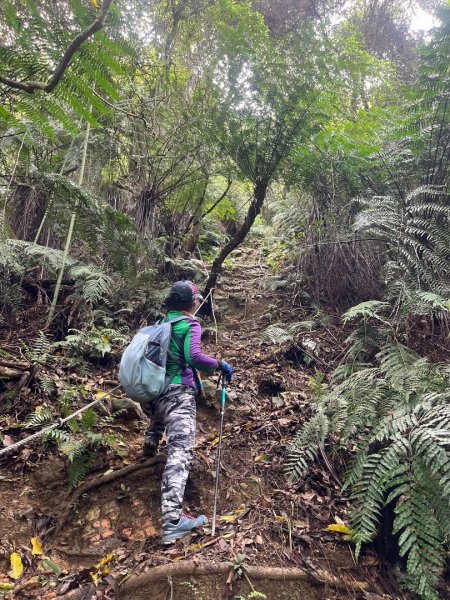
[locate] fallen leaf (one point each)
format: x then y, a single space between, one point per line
258 539
7 440
49 565
228 518
16 566
105 560
223 545
261 458
96 578
25 453
6 586
36 546
300 524
239 511
307 495
339 528
196 547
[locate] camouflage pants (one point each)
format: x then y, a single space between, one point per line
175 413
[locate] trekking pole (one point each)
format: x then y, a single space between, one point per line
216 488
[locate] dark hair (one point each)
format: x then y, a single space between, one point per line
172 303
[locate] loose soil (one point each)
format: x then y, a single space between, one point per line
261 515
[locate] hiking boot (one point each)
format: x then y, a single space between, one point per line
151 443
172 532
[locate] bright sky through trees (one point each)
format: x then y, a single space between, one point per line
422 20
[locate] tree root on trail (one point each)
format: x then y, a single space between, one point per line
188 568
149 464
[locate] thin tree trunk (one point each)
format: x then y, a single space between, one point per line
69 233
3 218
259 194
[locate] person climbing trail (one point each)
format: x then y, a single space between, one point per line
174 412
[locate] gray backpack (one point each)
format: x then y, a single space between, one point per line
142 371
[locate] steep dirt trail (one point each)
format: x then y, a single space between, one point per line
259 514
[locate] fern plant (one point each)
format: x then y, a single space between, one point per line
78 443
80 449
397 414
91 283
94 342
31 53
416 231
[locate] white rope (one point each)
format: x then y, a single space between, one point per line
204 301
59 423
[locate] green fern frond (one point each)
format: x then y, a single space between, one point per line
368 491
47 385
40 417
369 309
59 436
41 349
276 334
401 408
304 449
78 467
33 51
421 538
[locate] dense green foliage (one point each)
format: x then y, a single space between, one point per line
137 139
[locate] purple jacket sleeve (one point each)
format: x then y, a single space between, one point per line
193 353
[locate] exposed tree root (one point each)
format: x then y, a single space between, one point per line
188 568
149 464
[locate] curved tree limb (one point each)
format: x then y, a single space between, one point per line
259 193
65 60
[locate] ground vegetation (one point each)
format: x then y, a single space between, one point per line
291 158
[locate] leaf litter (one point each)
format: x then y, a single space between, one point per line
114 530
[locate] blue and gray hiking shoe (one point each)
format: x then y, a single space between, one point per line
151 443
173 532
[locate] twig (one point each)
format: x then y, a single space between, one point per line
329 467
216 329
121 110
249 582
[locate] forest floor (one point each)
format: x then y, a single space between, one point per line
95 538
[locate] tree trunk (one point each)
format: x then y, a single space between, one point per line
190 243
259 193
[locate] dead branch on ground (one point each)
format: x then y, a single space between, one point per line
187 568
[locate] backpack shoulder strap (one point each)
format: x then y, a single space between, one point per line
179 342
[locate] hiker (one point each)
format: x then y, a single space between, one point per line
174 412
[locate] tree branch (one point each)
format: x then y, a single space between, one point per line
65 60
186 568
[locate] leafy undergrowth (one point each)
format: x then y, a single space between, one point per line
113 530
